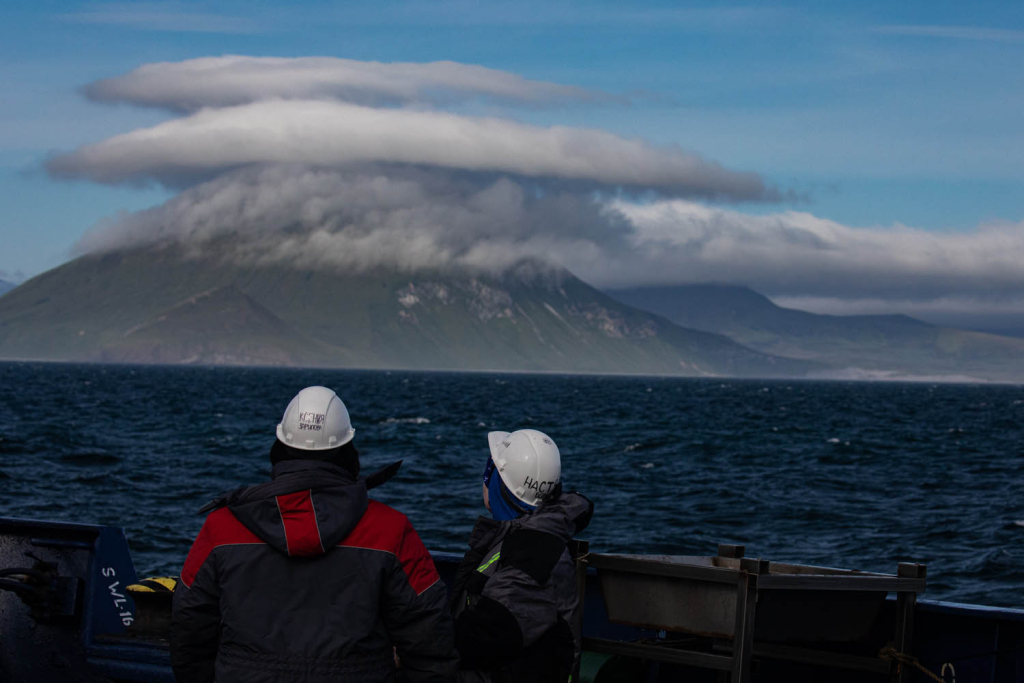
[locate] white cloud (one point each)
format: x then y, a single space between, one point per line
796 253
1000 35
403 218
233 79
997 304
409 219
291 165
332 134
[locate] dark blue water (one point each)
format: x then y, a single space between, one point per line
858 475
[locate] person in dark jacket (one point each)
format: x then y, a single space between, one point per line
514 599
304 578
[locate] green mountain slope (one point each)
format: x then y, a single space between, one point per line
134 306
221 326
881 343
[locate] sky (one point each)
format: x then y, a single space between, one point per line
849 158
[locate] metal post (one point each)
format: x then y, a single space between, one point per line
905 602
579 550
727 550
746 607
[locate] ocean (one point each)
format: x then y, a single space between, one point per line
843 474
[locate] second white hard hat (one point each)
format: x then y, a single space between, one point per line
315 420
528 463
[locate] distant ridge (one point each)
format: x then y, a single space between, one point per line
159 305
878 343
6 286
220 326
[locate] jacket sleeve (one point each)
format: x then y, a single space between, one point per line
415 613
517 604
195 617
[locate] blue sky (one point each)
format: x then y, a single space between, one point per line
872 114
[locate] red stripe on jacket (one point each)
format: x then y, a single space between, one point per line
380 528
301 532
221 528
384 528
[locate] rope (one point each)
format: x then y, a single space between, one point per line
891 654
16 586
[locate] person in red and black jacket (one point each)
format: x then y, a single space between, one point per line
304 578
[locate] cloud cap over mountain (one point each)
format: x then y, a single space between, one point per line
359 219
335 134
339 113
232 80
413 218
339 163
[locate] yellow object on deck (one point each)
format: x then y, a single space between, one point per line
155 584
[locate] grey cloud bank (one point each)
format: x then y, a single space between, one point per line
797 253
234 79
360 219
412 218
966 279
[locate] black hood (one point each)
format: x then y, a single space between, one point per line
564 516
308 507
336 503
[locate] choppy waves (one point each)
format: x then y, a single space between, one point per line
846 474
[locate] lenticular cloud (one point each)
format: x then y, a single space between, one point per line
233 79
341 113
326 162
334 134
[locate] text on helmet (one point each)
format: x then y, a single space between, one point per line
541 487
311 421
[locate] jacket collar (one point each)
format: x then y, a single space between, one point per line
290 468
564 517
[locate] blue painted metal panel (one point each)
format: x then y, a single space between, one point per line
971 642
110 609
130 670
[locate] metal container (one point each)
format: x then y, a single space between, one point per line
698 595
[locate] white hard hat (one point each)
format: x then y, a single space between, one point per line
528 463
315 420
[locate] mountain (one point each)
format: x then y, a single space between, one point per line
6 286
220 326
1007 331
163 305
880 344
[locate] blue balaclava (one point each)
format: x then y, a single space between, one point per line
504 506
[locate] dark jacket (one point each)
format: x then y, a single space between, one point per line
515 599
305 579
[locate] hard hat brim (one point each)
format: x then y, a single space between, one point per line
281 437
494 440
